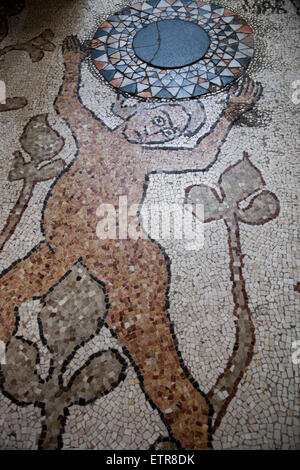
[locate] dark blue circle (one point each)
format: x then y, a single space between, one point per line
171 43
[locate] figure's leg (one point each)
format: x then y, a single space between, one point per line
32 276
136 279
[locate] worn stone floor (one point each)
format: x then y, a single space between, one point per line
150 286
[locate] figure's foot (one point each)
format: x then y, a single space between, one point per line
242 97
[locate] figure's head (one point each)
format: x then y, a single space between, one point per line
149 123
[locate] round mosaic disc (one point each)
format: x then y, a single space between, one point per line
172 49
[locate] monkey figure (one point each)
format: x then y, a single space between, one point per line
136 273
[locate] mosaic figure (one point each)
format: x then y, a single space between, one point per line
136 272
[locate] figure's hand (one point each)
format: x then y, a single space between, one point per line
72 50
242 97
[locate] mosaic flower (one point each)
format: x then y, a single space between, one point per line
42 143
236 184
67 323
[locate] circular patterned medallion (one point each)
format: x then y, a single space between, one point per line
172 49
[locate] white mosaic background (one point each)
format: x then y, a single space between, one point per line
264 414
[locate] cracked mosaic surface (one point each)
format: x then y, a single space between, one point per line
146 343
125 50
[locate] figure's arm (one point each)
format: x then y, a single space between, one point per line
67 102
240 99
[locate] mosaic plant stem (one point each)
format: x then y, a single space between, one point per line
236 183
53 424
17 212
53 415
102 372
47 172
57 399
242 354
31 173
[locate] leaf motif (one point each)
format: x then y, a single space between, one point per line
36 55
18 170
39 140
17 102
47 34
240 180
208 197
43 41
19 378
262 208
37 45
50 170
98 376
71 312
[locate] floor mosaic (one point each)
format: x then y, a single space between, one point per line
142 50
130 318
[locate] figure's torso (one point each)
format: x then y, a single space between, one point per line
93 179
